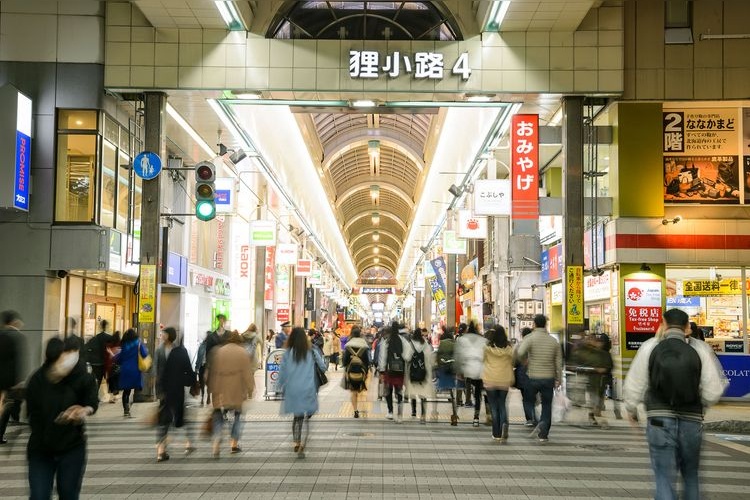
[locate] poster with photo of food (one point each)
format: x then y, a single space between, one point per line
746 180
703 179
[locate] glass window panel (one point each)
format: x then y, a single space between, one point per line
76 119
111 130
94 287
137 202
123 198
115 291
109 185
76 160
125 140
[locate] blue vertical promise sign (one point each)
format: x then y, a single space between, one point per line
15 149
23 154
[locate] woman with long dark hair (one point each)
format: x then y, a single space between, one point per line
297 381
497 378
419 384
394 353
130 378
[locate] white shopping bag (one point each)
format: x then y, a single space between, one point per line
560 405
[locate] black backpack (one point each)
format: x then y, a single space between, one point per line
417 368
355 370
394 364
674 371
93 351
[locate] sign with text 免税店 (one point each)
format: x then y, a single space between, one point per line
471 226
524 150
492 197
304 267
643 310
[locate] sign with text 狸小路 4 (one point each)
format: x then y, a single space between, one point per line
369 64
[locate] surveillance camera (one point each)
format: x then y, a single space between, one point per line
237 156
455 190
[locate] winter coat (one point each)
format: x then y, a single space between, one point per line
252 339
46 400
327 346
469 355
297 382
335 344
230 376
426 388
11 351
173 374
127 358
544 355
355 344
497 371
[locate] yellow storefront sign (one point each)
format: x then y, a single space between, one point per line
574 294
726 286
147 296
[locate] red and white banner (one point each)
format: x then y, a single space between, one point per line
270 277
304 267
524 149
642 310
282 313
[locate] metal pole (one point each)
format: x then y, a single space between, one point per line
572 147
155 141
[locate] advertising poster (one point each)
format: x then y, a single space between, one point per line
642 311
147 295
701 131
702 179
746 179
737 370
438 295
574 295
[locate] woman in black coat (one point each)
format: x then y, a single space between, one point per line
60 395
173 373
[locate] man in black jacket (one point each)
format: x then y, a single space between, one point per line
11 355
96 350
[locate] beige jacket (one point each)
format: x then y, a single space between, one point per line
497 372
230 377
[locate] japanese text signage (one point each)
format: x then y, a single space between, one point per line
492 197
524 149
269 278
701 131
304 267
286 254
552 263
574 294
438 295
726 286
147 294
642 310
597 287
369 64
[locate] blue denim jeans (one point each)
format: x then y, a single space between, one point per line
545 387
496 399
68 467
218 424
675 444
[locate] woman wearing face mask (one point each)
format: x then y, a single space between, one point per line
59 397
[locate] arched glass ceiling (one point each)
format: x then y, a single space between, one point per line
364 20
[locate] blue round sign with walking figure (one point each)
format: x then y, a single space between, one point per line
147 165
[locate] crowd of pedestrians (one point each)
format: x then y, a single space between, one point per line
675 375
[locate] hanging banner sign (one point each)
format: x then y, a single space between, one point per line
597 287
282 313
286 254
262 233
471 226
492 197
269 278
440 271
642 311
316 277
574 295
147 294
304 267
524 150
438 295
454 245
552 263
224 199
15 153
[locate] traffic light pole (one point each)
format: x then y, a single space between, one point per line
155 141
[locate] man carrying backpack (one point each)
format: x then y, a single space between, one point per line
356 364
677 379
96 349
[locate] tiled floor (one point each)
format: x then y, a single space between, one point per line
373 458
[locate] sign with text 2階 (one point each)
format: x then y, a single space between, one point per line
524 149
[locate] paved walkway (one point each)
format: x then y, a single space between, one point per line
371 458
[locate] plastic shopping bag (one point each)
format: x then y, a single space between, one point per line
560 405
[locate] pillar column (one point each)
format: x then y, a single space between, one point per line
155 141
572 156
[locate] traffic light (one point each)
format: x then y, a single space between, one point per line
205 191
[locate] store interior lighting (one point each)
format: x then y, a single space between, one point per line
230 15
363 103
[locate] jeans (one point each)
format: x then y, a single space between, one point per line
218 424
68 467
675 444
497 399
126 399
529 403
545 387
389 389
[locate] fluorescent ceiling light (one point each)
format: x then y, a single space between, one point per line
190 130
497 14
363 103
248 96
230 15
479 97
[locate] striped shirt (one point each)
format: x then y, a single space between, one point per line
543 353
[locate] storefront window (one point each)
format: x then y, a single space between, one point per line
76 163
713 300
76 119
109 185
